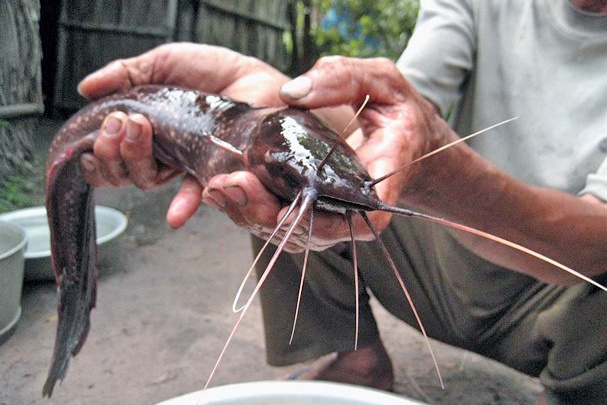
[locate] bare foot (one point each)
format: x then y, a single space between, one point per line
368 366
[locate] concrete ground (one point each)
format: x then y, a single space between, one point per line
164 312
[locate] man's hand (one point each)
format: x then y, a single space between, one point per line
123 151
397 127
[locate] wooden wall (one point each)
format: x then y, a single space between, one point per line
20 83
93 33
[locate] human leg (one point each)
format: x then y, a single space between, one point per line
369 365
464 301
326 320
574 329
554 332
558 336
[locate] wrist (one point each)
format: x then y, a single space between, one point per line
456 183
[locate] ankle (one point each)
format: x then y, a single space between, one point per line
370 366
369 360
541 400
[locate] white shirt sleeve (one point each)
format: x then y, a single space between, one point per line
596 183
440 54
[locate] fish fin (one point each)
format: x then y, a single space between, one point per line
228 147
73 237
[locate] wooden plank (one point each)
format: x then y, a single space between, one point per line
91 34
252 27
20 110
156 32
257 16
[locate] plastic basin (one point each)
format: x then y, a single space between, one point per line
292 393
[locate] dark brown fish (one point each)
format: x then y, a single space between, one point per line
203 135
292 152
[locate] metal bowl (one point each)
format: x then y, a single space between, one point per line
12 245
290 392
110 224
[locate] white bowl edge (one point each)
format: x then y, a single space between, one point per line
40 211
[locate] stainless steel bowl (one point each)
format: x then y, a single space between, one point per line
12 246
110 224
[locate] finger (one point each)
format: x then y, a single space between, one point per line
147 68
214 195
337 80
185 203
107 149
293 245
189 65
120 74
243 197
91 172
329 229
107 80
137 153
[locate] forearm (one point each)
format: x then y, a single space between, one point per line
563 227
465 188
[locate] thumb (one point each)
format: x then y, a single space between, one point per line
117 75
337 80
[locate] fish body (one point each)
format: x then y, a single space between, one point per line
203 135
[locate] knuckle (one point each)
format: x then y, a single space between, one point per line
143 184
381 60
329 62
94 179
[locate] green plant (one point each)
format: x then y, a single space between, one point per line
22 189
365 28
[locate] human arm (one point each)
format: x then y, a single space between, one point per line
458 184
455 58
399 125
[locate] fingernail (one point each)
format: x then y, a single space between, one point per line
237 195
133 130
166 174
88 163
80 91
297 88
111 126
216 199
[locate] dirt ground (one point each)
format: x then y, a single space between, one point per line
164 311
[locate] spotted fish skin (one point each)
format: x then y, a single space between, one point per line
282 146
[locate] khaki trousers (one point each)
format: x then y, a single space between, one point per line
554 332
